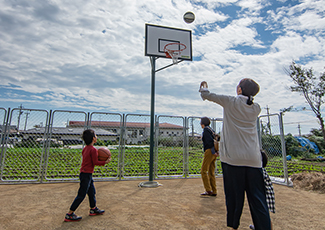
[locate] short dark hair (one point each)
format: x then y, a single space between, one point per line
205 121
264 158
249 87
88 136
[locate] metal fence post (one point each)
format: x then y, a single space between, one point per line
186 147
156 142
4 139
122 147
88 121
213 124
284 154
46 147
259 132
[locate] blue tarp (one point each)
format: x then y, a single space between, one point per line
307 144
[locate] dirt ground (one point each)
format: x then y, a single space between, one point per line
314 181
174 205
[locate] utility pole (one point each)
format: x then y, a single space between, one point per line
192 127
299 129
19 114
27 113
268 119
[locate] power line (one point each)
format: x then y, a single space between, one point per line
298 122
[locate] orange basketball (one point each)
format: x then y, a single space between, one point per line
103 154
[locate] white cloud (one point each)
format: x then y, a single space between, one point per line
253 5
90 55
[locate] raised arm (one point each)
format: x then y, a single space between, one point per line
206 95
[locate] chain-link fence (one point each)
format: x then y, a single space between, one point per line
171 155
272 141
108 128
24 146
45 146
194 146
3 133
135 146
63 157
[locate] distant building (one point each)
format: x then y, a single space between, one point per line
195 135
136 132
67 135
12 134
12 129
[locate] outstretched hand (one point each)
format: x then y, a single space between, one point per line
204 84
108 160
203 87
216 153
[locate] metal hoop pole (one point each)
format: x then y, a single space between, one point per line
152 117
152 183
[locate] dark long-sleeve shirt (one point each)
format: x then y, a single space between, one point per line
207 138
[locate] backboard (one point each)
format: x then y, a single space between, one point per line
159 38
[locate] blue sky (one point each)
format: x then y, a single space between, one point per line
89 55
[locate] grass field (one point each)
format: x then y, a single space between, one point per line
63 164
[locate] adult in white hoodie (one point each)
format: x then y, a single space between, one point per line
240 154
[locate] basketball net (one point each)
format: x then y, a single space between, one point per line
172 52
173 55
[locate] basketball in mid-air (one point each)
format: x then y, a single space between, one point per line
103 154
189 17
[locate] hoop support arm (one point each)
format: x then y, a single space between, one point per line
168 66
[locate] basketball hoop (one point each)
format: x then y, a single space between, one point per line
173 50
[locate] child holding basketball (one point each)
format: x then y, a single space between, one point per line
240 154
89 160
209 160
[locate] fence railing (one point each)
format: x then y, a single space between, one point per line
271 137
39 146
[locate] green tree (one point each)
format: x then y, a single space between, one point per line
317 137
316 132
293 147
311 87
